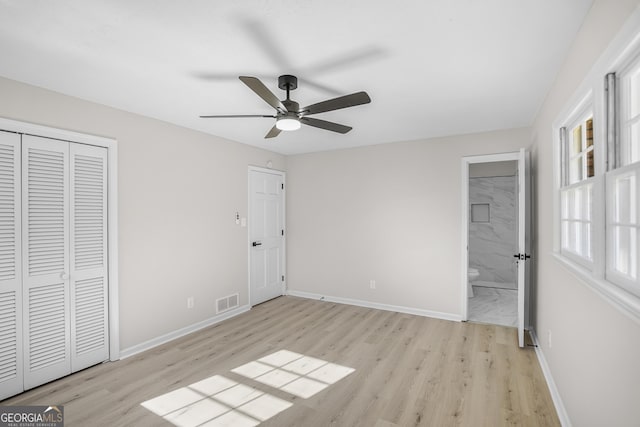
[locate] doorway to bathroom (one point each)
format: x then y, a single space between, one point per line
495 240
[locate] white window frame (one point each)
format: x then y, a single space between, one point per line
586 113
611 274
623 50
624 107
571 216
584 252
624 165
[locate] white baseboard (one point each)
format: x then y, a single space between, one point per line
147 345
379 306
555 394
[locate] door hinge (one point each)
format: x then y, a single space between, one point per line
282 232
282 186
283 277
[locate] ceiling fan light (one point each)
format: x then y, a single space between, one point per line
288 123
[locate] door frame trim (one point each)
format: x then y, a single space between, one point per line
282 174
466 162
112 209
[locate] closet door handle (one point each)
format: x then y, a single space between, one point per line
256 244
64 276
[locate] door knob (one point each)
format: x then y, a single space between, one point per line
256 244
64 276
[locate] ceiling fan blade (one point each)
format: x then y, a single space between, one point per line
323 124
352 100
265 39
273 132
263 92
227 116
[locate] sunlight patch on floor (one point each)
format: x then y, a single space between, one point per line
220 401
295 373
216 401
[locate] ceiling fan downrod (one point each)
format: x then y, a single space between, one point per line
287 82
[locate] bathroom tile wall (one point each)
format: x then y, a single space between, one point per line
492 244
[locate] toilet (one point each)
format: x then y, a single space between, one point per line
472 275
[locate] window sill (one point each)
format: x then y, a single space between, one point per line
622 300
586 265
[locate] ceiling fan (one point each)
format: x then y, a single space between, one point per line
289 116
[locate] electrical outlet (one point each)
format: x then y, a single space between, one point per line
549 342
372 284
190 302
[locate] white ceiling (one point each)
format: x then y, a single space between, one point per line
431 67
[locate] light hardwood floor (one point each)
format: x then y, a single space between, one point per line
408 370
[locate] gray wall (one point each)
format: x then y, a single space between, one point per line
492 244
488 169
595 348
179 191
390 213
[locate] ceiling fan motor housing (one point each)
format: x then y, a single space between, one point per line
287 81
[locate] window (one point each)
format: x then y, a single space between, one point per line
623 223
622 228
581 151
597 211
576 220
629 80
576 193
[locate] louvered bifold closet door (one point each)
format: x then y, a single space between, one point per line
10 280
45 260
89 327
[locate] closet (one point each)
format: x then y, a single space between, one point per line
53 259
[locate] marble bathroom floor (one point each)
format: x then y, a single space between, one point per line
496 306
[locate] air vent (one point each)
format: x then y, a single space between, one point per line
227 303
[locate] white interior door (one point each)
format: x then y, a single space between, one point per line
88 256
45 219
266 235
524 245
11 355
